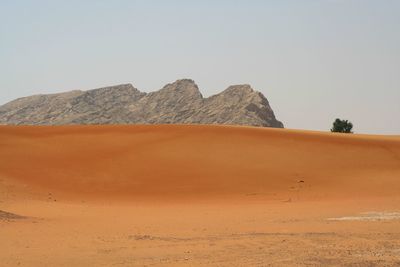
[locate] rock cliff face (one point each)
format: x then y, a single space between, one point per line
178 102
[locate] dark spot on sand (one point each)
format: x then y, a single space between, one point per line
7 216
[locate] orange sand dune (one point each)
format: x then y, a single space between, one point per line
182 160
175 195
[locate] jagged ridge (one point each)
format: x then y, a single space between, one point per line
178 102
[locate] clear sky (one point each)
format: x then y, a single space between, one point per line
314 60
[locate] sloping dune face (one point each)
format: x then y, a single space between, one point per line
187 160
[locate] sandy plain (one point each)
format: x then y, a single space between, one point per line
187 195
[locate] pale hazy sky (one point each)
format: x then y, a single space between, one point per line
314 60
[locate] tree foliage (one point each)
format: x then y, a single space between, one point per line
342 126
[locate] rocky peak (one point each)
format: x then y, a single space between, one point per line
182 87
115 88
122 90
177 102
238 89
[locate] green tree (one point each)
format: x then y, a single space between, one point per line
342 126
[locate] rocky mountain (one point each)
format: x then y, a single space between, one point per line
178 102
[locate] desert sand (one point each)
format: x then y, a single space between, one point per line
187 195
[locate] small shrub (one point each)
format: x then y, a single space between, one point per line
342 126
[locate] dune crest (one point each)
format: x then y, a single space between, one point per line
170 161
